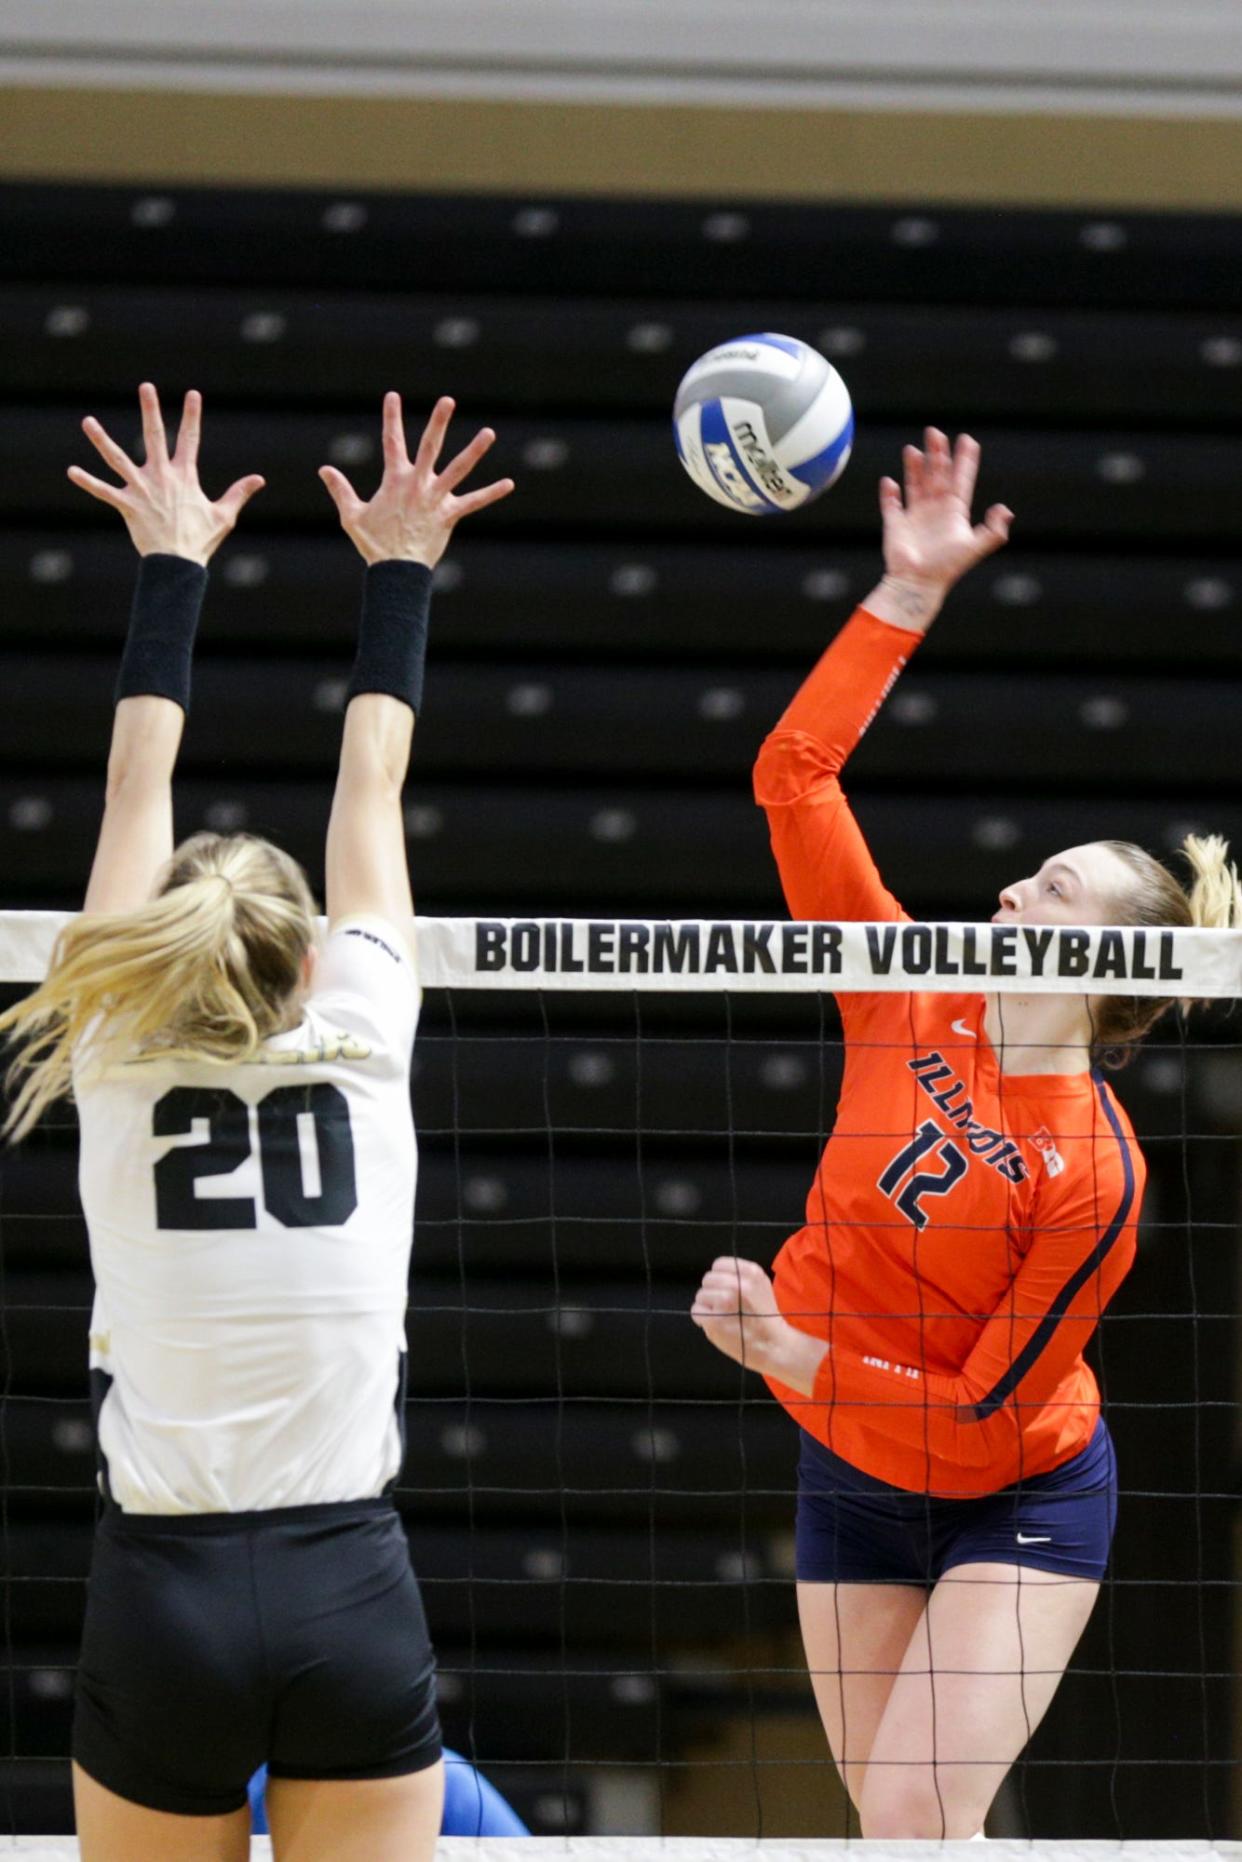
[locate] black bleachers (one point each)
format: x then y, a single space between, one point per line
614 248
573 602
609 648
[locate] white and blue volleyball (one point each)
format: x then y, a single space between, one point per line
763 424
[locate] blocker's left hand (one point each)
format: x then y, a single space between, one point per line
165 509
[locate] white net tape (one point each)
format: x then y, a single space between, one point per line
723 1849
774 956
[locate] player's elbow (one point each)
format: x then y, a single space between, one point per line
790 767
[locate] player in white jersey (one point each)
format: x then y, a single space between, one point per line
247 1174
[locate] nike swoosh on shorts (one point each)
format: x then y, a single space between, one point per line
1037 1538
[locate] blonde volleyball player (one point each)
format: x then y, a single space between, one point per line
972 1216
247 1174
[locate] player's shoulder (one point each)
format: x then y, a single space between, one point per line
1087 1140
385 935
366 954
366 981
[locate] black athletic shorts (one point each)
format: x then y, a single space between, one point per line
854 1529
216 1641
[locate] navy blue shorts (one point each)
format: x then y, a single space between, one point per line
853 1529
217 1641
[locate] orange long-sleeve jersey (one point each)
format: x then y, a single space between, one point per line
966 1227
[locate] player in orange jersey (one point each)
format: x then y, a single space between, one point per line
971 1218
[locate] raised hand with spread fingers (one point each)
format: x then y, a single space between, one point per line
413 514
166 510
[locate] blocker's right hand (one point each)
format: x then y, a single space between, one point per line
412 515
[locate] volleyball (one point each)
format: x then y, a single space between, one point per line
763 424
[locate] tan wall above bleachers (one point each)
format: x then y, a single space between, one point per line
67 132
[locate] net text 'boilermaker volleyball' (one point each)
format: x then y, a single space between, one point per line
851 952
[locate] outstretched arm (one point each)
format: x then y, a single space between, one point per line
929 543
401 535
175 529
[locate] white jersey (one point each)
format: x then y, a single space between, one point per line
250 1233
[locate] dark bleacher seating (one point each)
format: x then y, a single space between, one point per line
609 649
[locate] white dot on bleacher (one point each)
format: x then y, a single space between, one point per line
484 1195
591 1068
446 577
1105 712
1176 831
543 1561
536 222
996 833
1208 592
678 1196
630 579
246 571
73 1436
1120 468
842 339
911 707
1162 1074
462 1440
545 454
736 1567
783 1073
632 1690
456 332
329 695
613 825
1033 346
423 821
48 566
528 700
825 584
344 216
554 1812
571 1322
721 703
67 320
226 817
30 814
153 210
1221 352
656 1445
914 230
351 448
649 339
1103 236
726 229
1017 591
263 326
51 1684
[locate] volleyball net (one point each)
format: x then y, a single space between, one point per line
600 1505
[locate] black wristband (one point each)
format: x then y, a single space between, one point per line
392 635
162 626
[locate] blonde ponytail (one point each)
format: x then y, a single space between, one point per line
1156 897
1216 891
206 971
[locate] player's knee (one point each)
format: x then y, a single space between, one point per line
911 1809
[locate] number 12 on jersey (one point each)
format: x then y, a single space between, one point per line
922 1183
